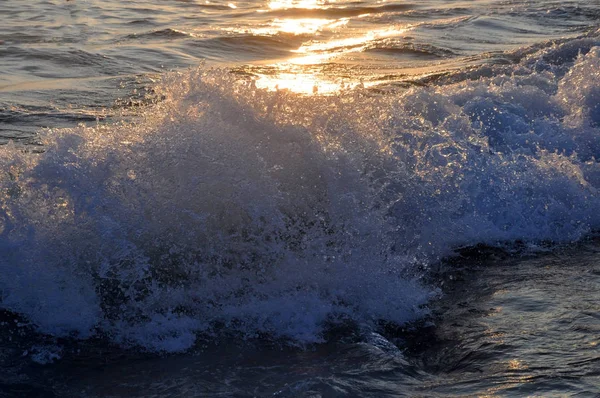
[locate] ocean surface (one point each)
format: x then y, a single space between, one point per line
299 198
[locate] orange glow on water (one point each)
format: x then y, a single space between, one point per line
306 74
295 26
312 68
320 52
307 4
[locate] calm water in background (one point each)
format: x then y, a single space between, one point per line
276 216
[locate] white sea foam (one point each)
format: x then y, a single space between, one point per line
229 208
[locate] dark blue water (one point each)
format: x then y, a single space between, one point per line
299 198
507 325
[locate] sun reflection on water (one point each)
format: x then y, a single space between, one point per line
306 25
295 26
320 52
305 73
318 66
304 81
306 4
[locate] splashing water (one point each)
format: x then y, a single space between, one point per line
261 213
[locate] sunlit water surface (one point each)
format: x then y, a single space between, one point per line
64 62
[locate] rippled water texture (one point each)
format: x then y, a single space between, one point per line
65 62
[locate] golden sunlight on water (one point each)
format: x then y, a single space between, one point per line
313 67
306 4
306 73
319 52
300 26
301 81
306 25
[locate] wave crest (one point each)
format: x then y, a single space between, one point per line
267 213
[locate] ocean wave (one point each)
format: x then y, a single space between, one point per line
232 209
338 12
162 34
33 60
248 46
400 47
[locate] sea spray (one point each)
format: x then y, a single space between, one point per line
229 209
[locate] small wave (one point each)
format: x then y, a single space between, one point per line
168 33
246 46
448 22
143 21
394 47
338 12
426 13
562 12
50 63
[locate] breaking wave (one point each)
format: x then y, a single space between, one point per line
270 214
